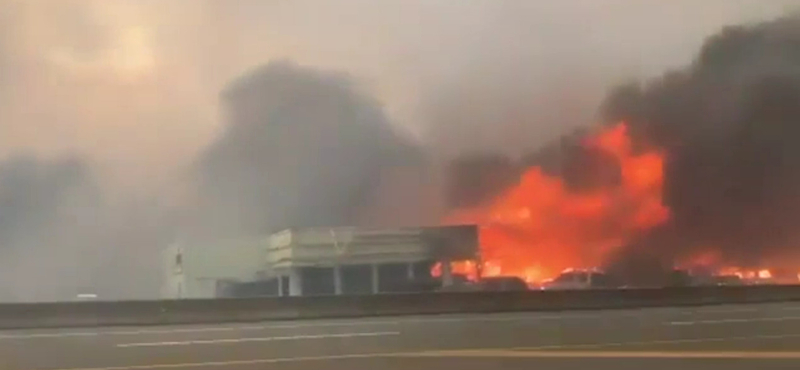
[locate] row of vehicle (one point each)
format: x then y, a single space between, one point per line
567 280
578 279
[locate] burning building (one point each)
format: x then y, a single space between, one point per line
699 167
542 219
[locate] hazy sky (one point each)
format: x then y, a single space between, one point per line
134 84
132 87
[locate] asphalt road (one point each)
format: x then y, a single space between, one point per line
715 337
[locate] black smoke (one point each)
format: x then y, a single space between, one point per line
302 148
473 179
730 125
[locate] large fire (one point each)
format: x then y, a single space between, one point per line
712 262
540 227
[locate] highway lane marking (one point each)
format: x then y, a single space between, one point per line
508 317
263 339
419 320
596 354
754 355
734 321
214 329
210 329
662 341
725 310
614 354
583 349
232 363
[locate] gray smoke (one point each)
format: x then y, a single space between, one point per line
474 179
131 88
302 148
38 202
60 236
729 125
32 192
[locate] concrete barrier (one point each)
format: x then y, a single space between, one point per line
141 313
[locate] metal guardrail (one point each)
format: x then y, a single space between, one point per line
125 313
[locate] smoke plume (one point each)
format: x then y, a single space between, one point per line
32 192
36 199
302 148
726 127
131 89
730 124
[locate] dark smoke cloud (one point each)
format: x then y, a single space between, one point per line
32 192
302 148
37 198
60 236
136 96
473 179
730 124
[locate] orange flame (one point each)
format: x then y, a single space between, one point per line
540 227
745 274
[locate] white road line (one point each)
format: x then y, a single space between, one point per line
431 320
615 354
209 329
528 317
233 363
658 341
724 310
264 339
531 317
733 321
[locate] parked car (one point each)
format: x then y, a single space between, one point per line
581 279
503 283
728 280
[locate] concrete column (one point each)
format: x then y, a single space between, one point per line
337 279
447 273
375 278
295 282
281 293
410 271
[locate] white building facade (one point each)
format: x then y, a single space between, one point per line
318 261
348 260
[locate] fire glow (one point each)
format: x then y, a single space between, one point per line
711 261
746 274
539 227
